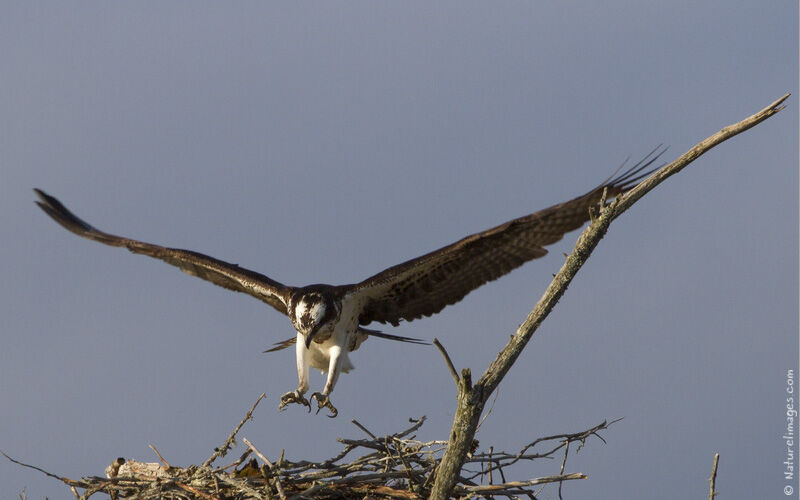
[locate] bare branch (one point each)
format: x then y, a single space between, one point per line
417 424
368 433
159 455
713 479
471 399
222 450
271 466
258 453
237 462
696 152
447 360
515 486
64 479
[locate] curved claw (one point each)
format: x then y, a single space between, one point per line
323 401
294 397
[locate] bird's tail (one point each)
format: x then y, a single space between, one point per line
388 336
277 346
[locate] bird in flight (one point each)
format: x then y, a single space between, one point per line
330 320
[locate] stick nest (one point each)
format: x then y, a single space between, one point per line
393 466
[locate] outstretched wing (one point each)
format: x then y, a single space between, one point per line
208 268
425 285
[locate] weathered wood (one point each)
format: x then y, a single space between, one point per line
472 399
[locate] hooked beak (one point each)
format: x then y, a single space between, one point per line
310 336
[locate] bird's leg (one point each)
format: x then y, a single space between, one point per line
302 374
323 399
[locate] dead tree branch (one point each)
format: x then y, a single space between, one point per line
447 360
222 450
471 399
712 492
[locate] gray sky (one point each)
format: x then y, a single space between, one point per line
326 142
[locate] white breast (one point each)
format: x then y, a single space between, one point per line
319 353
319 356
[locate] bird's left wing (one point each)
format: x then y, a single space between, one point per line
425 285
230 276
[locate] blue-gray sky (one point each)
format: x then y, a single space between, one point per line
320 142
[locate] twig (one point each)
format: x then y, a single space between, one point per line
713 479
278 485
447 360
491 449
368 433
563 464
408 469
194 490
496 488
258 453
562 439
237 462
489 412
417 424
224 448
63 479
159 456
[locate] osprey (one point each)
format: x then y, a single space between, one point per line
330 320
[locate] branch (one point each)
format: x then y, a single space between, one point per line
271 466
471 399
222 450
590 237
447 360
713 479
49 474
517 485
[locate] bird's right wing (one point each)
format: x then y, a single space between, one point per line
230 276
425 285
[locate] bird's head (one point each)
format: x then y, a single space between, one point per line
314 314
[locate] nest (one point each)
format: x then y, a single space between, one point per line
388 467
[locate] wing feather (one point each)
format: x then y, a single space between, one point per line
221 273
425 285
